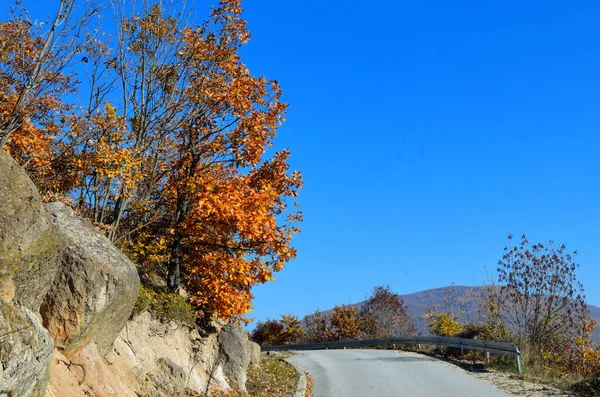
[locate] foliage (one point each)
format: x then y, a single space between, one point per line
385 314
486 331
288 330
443 323
164 305
585 356
317 327
345 323
176 171
540 300
268 332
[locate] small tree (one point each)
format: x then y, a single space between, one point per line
268 332
345 323
317 327
385 314
443 323
292 329
278 332
539 298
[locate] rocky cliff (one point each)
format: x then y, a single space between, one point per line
66 297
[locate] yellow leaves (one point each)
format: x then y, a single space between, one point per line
443 323
345 322
186 158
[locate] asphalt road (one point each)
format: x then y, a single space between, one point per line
381 373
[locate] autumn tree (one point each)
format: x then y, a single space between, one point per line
285 331
317 328
345 322
169 154
389 314
539 297
268 332
39 118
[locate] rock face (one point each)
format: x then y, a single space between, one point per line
149 358
254 351
233 343
154 355
25 352
29 248
66 293
94 291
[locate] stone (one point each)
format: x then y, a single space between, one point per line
85 374
26 350
147 356
95 289
29 249
254 351
235 356
173 376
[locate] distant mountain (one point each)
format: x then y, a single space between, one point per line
464 301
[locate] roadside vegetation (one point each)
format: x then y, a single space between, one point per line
274 378
384 314
158 134
537 303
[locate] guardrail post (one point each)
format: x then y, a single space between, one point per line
487 357
519 361
419 347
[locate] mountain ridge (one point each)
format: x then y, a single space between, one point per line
461 300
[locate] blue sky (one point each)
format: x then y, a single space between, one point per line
427 132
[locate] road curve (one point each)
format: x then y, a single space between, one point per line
381 373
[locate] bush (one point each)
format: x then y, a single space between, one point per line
278 332
317 328
443 323
164 305
385 314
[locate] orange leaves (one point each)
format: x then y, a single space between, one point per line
177 170
345 322
233 240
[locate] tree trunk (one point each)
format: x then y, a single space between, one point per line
174 267
174 276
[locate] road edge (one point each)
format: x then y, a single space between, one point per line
302 382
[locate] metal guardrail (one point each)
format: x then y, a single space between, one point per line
487 346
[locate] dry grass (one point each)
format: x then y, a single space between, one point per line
274 378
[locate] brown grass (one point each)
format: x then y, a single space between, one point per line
274 378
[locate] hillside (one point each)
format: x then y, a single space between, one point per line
464 301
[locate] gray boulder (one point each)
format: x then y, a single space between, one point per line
235 356
29 248
26 350
95 289
254 351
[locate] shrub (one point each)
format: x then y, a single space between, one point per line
443 323
278 332
385 314
345 323
164 306
317 328
540 298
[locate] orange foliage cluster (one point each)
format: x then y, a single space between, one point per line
176 172
29 128
384 314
